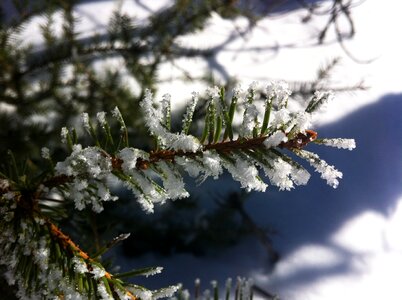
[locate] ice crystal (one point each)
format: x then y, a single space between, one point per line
182 142
237 91
212 164
146 191
63 134
300 122
279 174
328 172
213 92
187 118
247 174
172 182
88 163
79 265
102 292
117 115
252 87
175 141
153 271
279 93
249 117
85 121
123 295
101 117
45 153
97 272
280 118
300 176
339 143
142 293
165 292
275 139
319 101
129 157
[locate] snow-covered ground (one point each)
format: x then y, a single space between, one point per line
334 244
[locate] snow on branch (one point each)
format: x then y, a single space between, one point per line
255 149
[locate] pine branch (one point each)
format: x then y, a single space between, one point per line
83 178
254 147
67 243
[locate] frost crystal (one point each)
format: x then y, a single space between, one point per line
63 134
152 115
214 94
102 292
247 174
170 140
172 182
45 153
252 87
79 265
237 91
142 293
209 165
300 176
123 295
191 166
328 172
340 143
279 174
319 100
280 117
153 271
279 92
41 255
212 164
165 292
101 117
189 113
146 191
89 160
89 163
182 142
275 139
166 100
249 117
129 157
117 114
85 121
299 122
98 272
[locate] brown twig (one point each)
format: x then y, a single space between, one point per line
66 242
298 142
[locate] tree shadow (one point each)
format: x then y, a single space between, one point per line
308 215
371 183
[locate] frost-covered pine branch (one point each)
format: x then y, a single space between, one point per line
257 154
255 149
